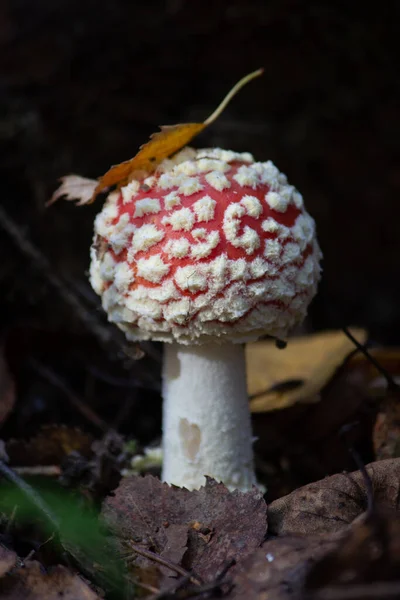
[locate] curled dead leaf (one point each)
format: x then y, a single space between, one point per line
277 570
333 503
365 559
75 187
280 378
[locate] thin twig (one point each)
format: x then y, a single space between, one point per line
35 550
149 588
42 470
392 385
164 562
76 402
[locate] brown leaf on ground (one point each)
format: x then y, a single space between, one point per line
220 525
75 187
367 556
277 570
7 560
7 388
50 446
33 583
333 503
280 378
328 566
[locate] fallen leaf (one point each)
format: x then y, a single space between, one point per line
75 187
333 503
7 560
278 569
334 565
161 145
366 557
7 389
33 583
143 506
280 378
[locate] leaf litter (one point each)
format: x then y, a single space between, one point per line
322 540
319 541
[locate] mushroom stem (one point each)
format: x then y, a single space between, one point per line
206 420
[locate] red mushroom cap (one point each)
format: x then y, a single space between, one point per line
212 247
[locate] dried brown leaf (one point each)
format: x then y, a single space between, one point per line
33 583
222 525
350 563
277 570
333 503
368 553
310 361
75 187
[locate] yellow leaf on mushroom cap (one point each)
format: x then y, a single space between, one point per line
161 145
280 378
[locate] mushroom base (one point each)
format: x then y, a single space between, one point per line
206 418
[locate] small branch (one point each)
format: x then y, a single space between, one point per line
32 553
164 562
43 470
392 385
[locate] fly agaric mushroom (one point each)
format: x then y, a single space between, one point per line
211 251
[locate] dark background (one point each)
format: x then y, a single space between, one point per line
83 83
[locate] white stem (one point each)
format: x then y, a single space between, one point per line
206 422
